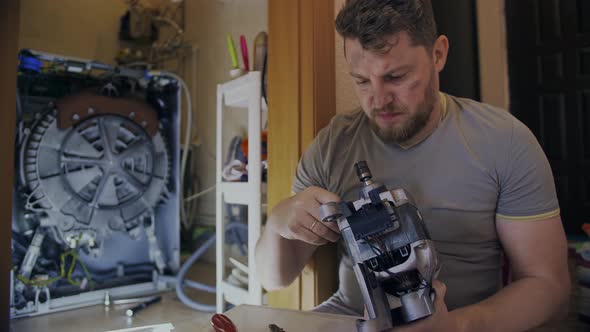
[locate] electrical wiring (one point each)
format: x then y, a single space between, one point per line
197 195
380 253
375 250
75 258
385 248
38 283
139 64
186 144
63 274
185 218
187 135
19 113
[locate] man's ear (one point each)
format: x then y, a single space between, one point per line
440 50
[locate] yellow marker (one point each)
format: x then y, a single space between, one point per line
232 51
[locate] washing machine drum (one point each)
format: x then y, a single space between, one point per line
94 165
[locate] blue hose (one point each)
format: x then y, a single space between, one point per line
181 282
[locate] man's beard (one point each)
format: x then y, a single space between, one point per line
402 132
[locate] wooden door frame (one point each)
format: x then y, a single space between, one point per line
9 20
493 62
301 96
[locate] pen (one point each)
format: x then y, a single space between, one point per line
132 311
244 47
133 300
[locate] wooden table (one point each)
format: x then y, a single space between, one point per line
249 318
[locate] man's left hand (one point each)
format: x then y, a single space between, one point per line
441 320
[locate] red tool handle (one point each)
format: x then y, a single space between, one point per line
222 323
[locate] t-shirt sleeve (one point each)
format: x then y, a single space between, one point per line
527 188
310 171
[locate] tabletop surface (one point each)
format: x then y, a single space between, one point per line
250 318
247 318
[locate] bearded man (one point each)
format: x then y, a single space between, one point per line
477 174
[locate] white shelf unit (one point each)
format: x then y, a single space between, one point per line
242 93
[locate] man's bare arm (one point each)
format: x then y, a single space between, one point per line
537 251
292 233
538 255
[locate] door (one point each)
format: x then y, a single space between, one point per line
301 97
457 20
549 73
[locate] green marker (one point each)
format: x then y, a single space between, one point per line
232 51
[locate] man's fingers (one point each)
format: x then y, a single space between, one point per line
440 289
305 224
305 235
323 196
315 213
333 226
324 231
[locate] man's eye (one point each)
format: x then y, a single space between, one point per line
393 78
362 83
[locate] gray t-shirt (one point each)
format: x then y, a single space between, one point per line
478 164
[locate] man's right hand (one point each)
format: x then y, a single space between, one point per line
298 217
293 232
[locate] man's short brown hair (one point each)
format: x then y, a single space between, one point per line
372 21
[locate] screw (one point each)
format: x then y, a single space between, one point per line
75 117
90 110
107 299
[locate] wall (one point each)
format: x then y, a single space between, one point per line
207 23
86 29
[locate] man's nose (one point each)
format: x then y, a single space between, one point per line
381 97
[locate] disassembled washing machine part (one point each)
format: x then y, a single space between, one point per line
394 259
96 199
